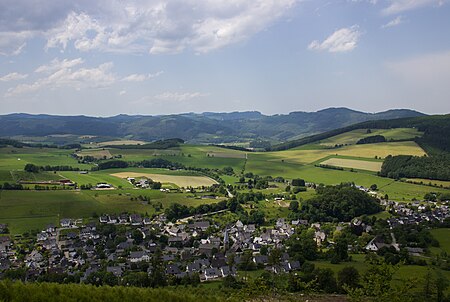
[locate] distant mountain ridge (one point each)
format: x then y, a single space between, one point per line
207 127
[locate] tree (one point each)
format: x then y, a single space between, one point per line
247 263
275 256
137 236
339 251
298 182
302 246
157 275
294 206
326 280
374 187
348 277
31 168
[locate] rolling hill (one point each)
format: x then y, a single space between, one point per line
196 128
433 131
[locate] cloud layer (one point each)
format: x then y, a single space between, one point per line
136 26
342 40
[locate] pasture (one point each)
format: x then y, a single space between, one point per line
439 183
120 142
380 150
351 137
32 210
354 164
97 154
17 158
179 180
443 236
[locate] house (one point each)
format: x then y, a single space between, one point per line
207 249
251 228
5 242
103 186
175 241
211 273
202 225
135 219
3 228
50 228
115 270
173 269
140 256
376 244
261 259
319 237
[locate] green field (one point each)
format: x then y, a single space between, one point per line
443 236
28 210
352 137
25 210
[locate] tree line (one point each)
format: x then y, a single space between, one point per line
36 169
433 167
338 203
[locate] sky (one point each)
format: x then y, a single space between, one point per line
109 57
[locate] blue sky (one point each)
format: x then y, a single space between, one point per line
109 57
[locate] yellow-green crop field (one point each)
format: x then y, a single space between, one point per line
354 164
25 210
181 181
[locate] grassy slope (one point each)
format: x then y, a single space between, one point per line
352 137
31 209
26 210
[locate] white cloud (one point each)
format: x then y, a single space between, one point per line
135 78
179 96
122 92
399 6
14 76
154 26
141 77
56 64
61 74
397 21
342 40
12 43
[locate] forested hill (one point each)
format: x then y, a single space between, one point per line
436 128
196 128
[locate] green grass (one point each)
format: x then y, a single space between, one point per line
189 155
352 137
26 210
443 236
17 158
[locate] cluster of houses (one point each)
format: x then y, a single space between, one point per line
126 242
416 212
198 247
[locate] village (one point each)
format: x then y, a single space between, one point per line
118 244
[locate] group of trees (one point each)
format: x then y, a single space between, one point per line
338 203
112 164
160 145
371 140
36 169
433 167
176 211
160 163
8 186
